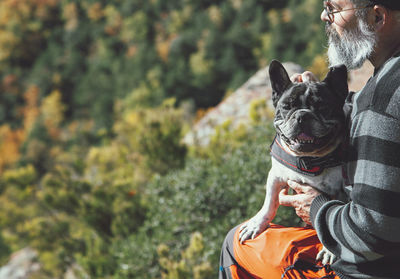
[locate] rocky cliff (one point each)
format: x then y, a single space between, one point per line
235 108
21 265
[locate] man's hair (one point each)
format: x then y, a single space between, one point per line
361 13
360 3
390 4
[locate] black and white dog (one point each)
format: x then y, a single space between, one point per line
310 127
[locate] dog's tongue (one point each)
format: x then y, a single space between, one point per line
304 136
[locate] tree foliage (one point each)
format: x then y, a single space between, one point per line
95 97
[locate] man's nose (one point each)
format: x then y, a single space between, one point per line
324 16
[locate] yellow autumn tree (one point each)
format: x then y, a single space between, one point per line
95 12
20 26
12 139
113 20
70 14
30 111
52 111
10 142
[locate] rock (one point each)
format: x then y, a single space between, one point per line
75 271
22 263
235 108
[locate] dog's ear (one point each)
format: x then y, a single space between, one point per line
280 80
337 80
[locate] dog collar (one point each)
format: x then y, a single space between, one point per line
308 165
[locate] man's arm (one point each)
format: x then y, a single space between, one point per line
368 228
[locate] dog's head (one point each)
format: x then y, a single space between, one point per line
309 116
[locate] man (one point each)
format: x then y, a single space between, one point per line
364 233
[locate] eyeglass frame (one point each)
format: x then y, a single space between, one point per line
331 14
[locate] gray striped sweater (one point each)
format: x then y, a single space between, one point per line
365 233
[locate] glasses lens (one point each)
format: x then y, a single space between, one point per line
329 10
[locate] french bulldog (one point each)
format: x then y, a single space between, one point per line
310 128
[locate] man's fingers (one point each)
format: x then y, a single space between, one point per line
303 188
304 77
285 199
296 78
308 76
299 188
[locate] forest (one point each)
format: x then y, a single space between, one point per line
95 98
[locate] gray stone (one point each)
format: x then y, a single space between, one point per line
235 108
21 264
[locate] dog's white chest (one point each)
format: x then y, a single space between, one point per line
329 181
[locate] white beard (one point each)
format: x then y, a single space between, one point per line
353 48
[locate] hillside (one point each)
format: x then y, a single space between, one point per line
95 100
248 106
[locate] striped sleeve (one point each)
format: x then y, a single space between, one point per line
367 229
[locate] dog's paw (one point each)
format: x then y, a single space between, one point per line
252 228
326 256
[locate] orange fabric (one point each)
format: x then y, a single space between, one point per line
237 273
270 253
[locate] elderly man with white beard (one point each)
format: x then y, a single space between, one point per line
364 233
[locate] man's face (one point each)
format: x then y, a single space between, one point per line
351 39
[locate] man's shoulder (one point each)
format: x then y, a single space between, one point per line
387 96
393 107
382 92
389 71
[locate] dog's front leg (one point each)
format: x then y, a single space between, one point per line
259 223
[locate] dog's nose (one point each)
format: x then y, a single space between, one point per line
302 117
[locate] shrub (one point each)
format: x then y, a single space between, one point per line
154 135
207 196
191 264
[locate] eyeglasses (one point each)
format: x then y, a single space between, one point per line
331 10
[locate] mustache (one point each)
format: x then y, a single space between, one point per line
363 31
328 28
331 32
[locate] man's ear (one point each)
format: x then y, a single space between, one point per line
280 80
337 80
380 14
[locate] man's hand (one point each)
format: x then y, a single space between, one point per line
304 77
301 201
